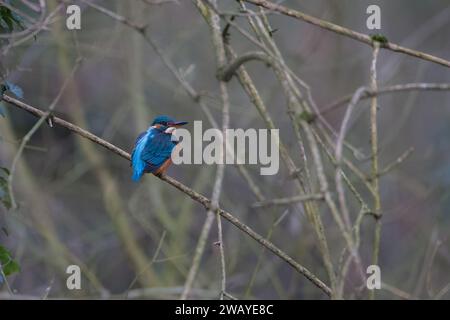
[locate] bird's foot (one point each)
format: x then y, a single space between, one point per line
159 174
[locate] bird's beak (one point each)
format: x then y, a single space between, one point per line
179 123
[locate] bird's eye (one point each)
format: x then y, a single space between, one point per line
164 123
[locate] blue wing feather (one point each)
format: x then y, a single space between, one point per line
140 136
136 161
157 150
152 149
135 146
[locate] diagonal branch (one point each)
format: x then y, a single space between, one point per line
204 201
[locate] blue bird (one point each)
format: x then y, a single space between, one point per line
153 148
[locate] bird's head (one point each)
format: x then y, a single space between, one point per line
167 124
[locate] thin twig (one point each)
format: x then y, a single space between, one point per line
229 296
396 162
154 260
198 253
442 292
384 90
374 147
286 201
3 277
347 32
227 72
276 222
338 154
159 2
351 244
396 291
36 25
113 15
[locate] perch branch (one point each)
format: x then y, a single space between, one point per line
205 202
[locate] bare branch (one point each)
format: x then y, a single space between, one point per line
390 89
339 155
396 162
347 32
286 201
159 2
228 71
374 147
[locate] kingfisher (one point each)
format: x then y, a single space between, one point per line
153 148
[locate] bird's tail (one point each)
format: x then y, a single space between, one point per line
137 174
137 163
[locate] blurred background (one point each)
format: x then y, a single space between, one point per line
77 203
